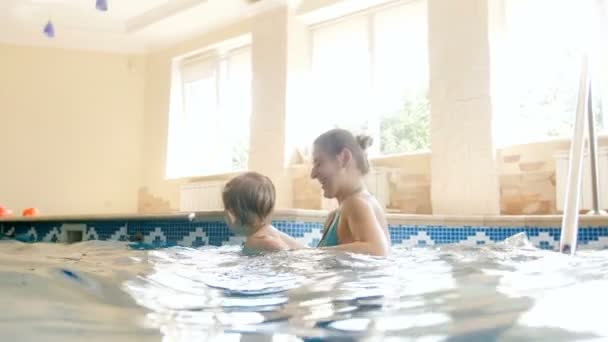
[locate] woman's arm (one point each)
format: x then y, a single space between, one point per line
367 233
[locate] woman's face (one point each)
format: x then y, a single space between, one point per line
327 170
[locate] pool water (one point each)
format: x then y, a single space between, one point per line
105 291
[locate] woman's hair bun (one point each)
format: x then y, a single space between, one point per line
364 141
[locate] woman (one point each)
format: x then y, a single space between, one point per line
359 224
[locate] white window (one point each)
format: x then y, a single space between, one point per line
370 75
536 64
210 113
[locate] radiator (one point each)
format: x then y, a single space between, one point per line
561 175
201 196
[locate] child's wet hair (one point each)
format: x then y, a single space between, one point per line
250 197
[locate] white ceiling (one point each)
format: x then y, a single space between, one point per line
127 26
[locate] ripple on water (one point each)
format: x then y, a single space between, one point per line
508 291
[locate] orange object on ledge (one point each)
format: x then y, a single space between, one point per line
31 212
4 211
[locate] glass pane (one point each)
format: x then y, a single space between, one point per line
200 99
401 77
400 53
201 128
236 106
600 86
341 77
537 67
197 68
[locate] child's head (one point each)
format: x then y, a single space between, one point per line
249 200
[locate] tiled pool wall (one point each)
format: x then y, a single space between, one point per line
211 231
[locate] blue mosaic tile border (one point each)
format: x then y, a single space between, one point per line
193 234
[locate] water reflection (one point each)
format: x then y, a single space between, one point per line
504 292
452 293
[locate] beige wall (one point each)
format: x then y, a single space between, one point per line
526 176
71 127
408 176
409 182
528 179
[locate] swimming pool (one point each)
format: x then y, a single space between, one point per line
179 278
103 290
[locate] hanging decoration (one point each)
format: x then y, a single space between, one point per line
101 5
49 29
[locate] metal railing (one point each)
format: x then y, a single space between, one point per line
584 119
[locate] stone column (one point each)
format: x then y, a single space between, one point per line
464 177
277 66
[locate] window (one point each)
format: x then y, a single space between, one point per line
211 109
536 62
370 75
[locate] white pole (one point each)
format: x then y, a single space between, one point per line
574 181
595 182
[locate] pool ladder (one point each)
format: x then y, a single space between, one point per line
584 119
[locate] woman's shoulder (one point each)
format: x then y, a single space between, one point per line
360 204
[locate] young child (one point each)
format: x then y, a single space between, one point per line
248 203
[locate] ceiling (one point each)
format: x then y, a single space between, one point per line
128 25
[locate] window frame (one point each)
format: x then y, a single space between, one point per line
218 56
499 32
